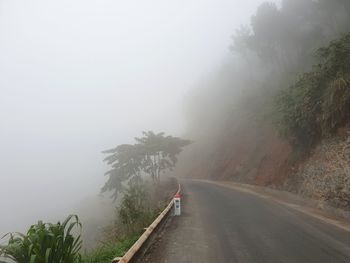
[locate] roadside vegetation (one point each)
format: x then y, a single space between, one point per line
45 242
107 252
136 211
319 101
134 179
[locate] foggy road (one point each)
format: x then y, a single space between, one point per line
223 225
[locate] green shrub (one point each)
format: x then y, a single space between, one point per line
45 243
107 252
136 210
319 101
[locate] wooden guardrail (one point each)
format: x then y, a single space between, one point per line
130 254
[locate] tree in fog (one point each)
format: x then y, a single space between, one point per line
319 101
151 155
285 37
159 152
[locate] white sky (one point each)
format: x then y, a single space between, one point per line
80 76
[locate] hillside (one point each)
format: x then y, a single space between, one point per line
277 113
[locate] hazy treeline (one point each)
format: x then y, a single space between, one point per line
236 114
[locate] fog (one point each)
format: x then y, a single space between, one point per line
77 77
243 115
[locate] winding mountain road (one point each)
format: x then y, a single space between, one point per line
220 224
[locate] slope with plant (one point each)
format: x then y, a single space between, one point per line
284 92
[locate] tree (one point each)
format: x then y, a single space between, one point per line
151 155
319 101
159 152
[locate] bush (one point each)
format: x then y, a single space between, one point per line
45 243
136 209
319 101
107 252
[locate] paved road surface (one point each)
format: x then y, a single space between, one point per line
223 225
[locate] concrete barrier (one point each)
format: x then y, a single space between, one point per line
133 252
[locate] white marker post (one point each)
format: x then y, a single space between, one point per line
177 204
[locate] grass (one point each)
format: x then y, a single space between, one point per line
106 253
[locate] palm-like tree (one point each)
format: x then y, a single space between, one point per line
152 154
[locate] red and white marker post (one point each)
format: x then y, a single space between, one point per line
177 205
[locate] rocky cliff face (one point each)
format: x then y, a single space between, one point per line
325 175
